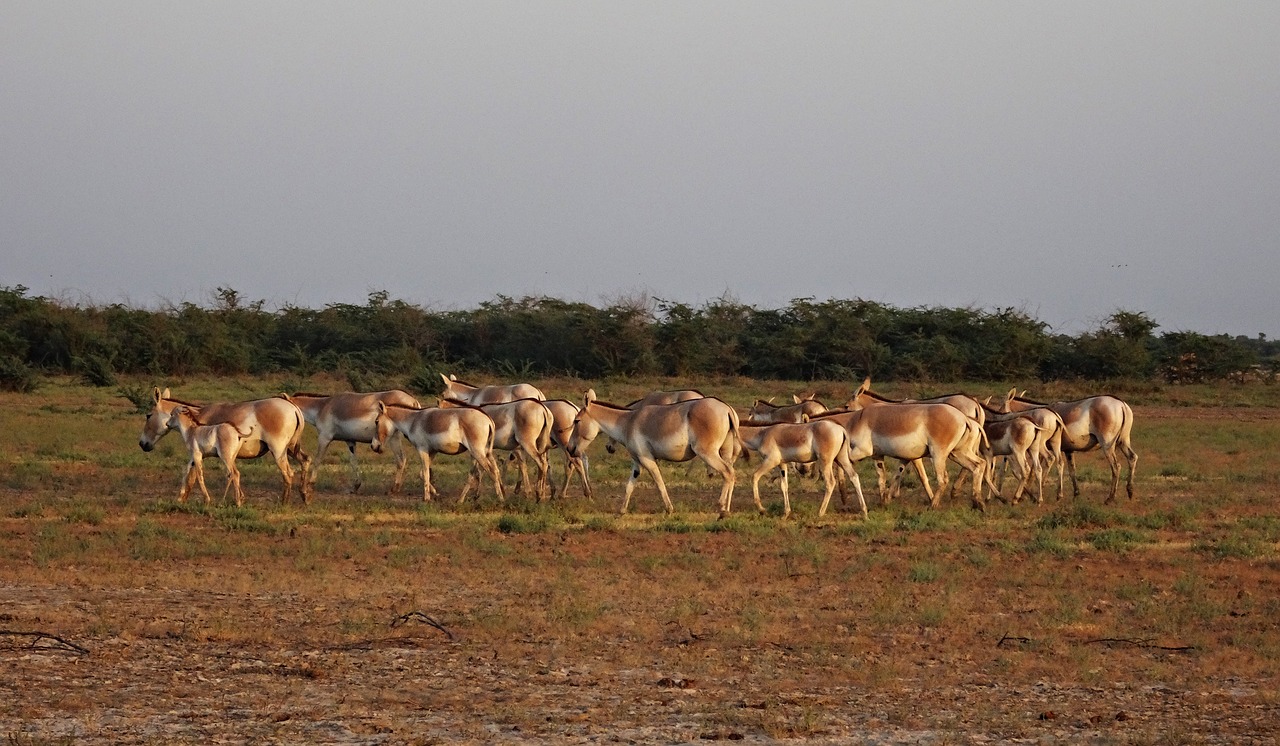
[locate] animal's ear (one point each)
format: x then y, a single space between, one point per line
590 396
452 377
866 386
382 407
1012 393
795 399
804 416
444 378
986 402
1024 393
157 395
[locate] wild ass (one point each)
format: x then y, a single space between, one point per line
478 395
1047 446
910 433
222 439
1102 421
349 417
823 442
563 413
674 396
864 397
1017 439
704 428
523 427
766 412
449 431
276 426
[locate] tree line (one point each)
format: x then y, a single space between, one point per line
540 336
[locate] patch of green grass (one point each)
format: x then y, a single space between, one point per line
926 571
26 475
1119 540
515 523
235 518
82 513
1048 542
675 524
1080 515
1232 546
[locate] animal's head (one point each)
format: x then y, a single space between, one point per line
181 416
157 423
383 428
584 431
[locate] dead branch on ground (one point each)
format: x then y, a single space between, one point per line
421 617
66 645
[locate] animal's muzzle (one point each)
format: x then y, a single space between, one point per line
144 445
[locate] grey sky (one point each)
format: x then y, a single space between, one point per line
1064 158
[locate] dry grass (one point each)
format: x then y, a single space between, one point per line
571 624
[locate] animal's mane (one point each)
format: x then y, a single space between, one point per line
185 403
881 397
1025 400
311 395
393 405
456 403
464 383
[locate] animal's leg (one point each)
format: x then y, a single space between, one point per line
492 466
188 481
322 447
651 466
1131 456
884 496
631 486
426 476
402 460
357 479
940 470
583 467
1070 456
1113 460
725 470
286 474
305 465
786 495
1022 471
233 481
198 463
767 464
544 476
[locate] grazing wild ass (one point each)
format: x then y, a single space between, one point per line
276 426
705 428
523 427
823 442
563 413
449 431
1103 422
349 418
910 433
222 439
478 395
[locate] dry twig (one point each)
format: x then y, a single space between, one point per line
1141 643
37 637
406 617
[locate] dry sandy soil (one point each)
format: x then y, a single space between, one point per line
391 630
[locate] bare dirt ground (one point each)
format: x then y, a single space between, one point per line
170 627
